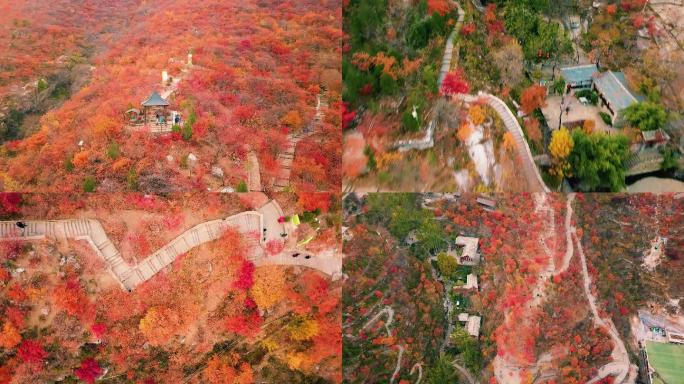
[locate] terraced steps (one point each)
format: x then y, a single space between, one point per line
258 227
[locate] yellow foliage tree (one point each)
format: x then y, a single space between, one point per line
385 159
269 285
477 115
9 337
159 325
270 344
297 360
302 328
509 141
560 148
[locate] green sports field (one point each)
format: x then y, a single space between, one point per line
668 362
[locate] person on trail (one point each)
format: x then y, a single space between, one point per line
177 120
22 226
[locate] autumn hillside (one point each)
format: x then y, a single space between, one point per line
257 68
211 316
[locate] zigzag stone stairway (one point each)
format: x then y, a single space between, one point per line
286 158
249 223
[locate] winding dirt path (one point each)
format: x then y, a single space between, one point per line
465 373
621 369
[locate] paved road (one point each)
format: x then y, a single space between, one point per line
529 169
250 223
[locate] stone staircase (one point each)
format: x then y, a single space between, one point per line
258 227
449 49
286 158
250 223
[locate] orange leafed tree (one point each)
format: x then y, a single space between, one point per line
532 98
292 119
509 141
73 300
532 129
477 114
160 324
218 371
9 337
464 132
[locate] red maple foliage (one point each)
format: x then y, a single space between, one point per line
440 6
98 330
312 201
9 203
30 351
88 371
347 116
468 29
454 83
247 326
245 276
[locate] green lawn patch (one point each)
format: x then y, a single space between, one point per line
668 362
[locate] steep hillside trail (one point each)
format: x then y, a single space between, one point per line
524 154
286 158
621 369
428 141
449 49
258 227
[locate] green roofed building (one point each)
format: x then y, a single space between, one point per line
612 88
615 94
579 77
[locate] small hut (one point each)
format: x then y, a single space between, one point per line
156 107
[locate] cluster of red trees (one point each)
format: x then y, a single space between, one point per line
211 295
249 87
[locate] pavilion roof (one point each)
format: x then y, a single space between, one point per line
155 101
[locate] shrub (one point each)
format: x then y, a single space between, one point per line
69 164
242 187
113 151
132 179
372 163
606 118
409 123
186 133
89 184
589 95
